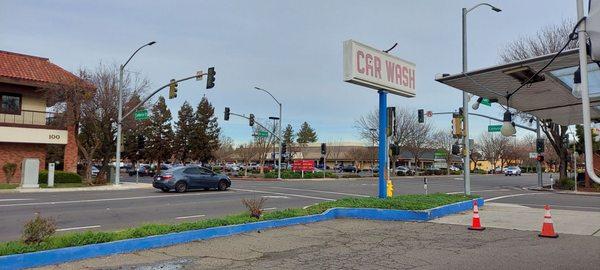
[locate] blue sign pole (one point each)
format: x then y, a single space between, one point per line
382 143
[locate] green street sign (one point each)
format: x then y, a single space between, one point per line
141 115
494 128
263 134
486 102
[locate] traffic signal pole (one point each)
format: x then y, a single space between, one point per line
538 164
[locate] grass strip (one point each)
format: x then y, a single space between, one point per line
8 186
402 202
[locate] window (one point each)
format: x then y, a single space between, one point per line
10 103
205 171
192 170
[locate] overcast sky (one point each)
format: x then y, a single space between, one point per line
292 48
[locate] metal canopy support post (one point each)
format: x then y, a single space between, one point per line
465 102
538 164
585 98
382 143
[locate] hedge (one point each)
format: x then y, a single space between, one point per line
60 177
287 174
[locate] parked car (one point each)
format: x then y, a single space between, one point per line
320 167
143 170
350 168
403 170
182 179
512 170
454 168
95 171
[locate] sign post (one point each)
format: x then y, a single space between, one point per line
372 68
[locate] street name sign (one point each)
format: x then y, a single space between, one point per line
369 67
494 128
263 134
486 102
141 115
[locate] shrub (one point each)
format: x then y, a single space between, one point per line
60 177
566 183
287 174
254 206
351 175
9 170
38 229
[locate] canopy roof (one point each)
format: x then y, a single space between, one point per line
551 97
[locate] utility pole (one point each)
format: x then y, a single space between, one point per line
465 99
120 114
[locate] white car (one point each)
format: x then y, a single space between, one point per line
512 170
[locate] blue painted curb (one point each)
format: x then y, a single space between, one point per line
62 255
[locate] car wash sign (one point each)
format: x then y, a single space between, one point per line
366 66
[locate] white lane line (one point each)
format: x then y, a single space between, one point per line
275 197
12 200
560 206
194 216
284 194
514 195
110 199
322 191
78 228
483 190
269 208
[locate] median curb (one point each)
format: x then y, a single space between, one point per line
62 255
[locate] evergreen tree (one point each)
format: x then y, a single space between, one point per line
184 130
160 133
205 139
288 135
306 134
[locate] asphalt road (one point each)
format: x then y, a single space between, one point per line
110 210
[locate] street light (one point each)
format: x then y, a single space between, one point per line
467 161
120 111
280 135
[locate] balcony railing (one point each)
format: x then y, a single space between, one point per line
31 118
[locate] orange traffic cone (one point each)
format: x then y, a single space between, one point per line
548 227
476 223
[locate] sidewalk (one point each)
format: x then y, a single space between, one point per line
364 244
122 186
512 216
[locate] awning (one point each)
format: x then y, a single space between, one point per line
550 97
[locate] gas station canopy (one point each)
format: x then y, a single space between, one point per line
551 95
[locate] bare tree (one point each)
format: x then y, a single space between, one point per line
475 154
264 145
247 152
547 40
492 147
411 135
225 149
92 109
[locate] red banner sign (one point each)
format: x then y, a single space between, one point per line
303 165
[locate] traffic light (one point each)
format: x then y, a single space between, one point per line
323 149
172 89
421 114
539 145
394 149
457 126
460 110
283 148
391 121
141 142
455 149
210 80
226 114
251 120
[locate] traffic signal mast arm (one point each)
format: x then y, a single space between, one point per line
492 118
256 122
158 90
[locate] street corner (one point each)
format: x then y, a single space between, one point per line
362 244
524 218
